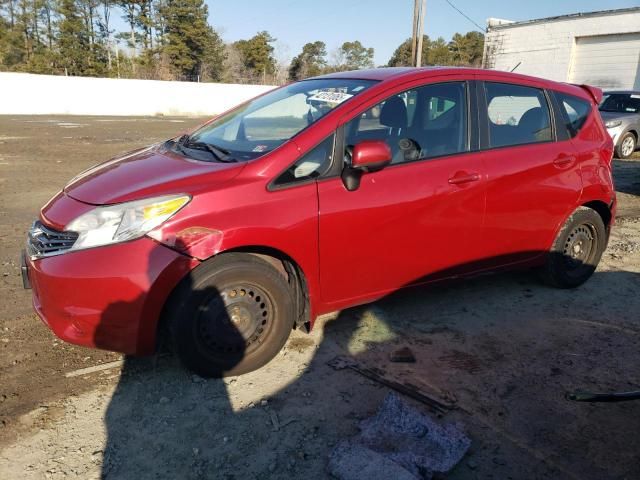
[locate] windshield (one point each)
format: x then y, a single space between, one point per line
621 103
265 123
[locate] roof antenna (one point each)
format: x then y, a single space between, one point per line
514 68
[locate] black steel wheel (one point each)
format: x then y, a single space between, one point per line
577 250
579 246
234 320
232 315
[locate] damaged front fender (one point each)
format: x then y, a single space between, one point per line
197 242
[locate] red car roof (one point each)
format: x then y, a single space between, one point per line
389 73
386 73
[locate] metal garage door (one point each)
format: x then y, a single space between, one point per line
607 61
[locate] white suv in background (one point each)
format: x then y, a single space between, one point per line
621 114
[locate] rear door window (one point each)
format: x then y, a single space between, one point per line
516 115
575 112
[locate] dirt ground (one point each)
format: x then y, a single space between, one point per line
504 347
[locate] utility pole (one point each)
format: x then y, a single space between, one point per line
414 34
419 9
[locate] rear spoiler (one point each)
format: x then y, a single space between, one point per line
595 92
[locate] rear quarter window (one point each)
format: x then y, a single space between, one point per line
575 112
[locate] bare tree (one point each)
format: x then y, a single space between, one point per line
235 70
282 55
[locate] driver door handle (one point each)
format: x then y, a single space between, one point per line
459 178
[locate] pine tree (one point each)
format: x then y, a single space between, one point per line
12 51
356 55
310 62
73 40
402 55
467 49
461 50
257 55
191 46
439 53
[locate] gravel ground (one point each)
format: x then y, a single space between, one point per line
504 347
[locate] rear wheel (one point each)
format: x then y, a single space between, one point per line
576 251
232 315
627 145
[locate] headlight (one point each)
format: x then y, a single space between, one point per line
613 123
125 221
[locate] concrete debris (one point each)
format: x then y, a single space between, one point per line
351 461
399 442
96 368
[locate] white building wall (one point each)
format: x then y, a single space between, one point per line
545 47
22 93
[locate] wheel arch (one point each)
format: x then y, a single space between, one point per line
292 270
601 209
279 260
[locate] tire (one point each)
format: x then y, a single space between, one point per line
626 146
576 250
230 316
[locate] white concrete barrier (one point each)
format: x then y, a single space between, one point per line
28 94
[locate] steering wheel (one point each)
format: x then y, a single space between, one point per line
409 148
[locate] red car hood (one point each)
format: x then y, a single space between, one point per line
145 173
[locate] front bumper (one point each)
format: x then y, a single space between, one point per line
107 297
615 133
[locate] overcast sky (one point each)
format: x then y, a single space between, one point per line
382 24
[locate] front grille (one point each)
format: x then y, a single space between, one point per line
43 241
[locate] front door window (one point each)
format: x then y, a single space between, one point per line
422 123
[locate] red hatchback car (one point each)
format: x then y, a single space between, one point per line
321 195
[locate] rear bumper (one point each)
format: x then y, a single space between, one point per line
108 297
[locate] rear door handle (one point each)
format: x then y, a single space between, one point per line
564 160
463 177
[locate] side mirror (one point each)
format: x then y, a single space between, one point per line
367 156
371 155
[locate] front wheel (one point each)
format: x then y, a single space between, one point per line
576 250
232 315
627 146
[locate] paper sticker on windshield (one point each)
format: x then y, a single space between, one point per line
260 148
635 96
330 97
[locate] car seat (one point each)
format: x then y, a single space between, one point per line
533 126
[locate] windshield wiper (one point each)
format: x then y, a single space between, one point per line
220 154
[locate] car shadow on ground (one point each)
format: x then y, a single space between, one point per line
505 347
